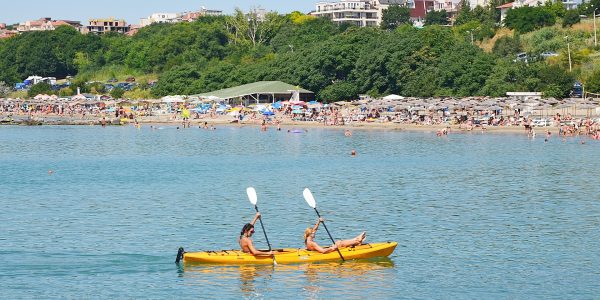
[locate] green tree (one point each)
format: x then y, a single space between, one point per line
464 15
177 80
555 81
117 93
4 89
571 18
593 82
65 92
436 18
556 8
339 91
40 88
394 16
507 46
526 19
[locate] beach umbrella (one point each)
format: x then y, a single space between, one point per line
401 107
393 97
314 104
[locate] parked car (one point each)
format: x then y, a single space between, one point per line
547 54
521 57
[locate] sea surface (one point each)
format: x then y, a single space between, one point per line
90 212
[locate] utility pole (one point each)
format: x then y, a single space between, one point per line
471 32
569 52
595 38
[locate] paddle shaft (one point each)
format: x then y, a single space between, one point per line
338 250
263 229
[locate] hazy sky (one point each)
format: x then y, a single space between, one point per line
131 10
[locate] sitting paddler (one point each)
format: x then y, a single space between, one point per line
245 241
309 240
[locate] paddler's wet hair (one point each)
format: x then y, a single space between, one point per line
246 227
307 233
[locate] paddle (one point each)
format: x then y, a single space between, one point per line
312 203
253 199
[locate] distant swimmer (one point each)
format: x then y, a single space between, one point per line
263 126
50 172
441 132
347 132
353 153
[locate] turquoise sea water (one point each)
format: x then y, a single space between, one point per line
475 215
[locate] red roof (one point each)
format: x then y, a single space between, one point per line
507 5
59 22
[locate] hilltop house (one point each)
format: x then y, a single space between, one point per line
45 24
569 5
178 17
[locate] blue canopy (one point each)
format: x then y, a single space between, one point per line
277 105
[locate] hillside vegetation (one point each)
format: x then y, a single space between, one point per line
336 62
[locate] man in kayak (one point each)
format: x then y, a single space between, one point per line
245 241
309 240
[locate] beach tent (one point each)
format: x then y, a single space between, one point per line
172 99
393 97
261 92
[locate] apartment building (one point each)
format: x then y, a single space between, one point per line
358 12
100 26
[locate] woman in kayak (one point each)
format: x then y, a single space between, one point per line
309 240
245 241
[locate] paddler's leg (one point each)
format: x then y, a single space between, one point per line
352 242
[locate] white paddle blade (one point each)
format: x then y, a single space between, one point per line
252 195
309 198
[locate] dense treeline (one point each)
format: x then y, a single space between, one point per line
337 62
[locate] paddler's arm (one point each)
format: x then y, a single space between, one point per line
258 252
317 225
256 217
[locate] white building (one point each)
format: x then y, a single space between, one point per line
482 3
160 18
572 4
569 5
358 12
179 17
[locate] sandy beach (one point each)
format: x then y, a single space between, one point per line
225 120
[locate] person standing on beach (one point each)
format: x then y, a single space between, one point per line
245 240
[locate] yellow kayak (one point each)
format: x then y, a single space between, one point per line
290 255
